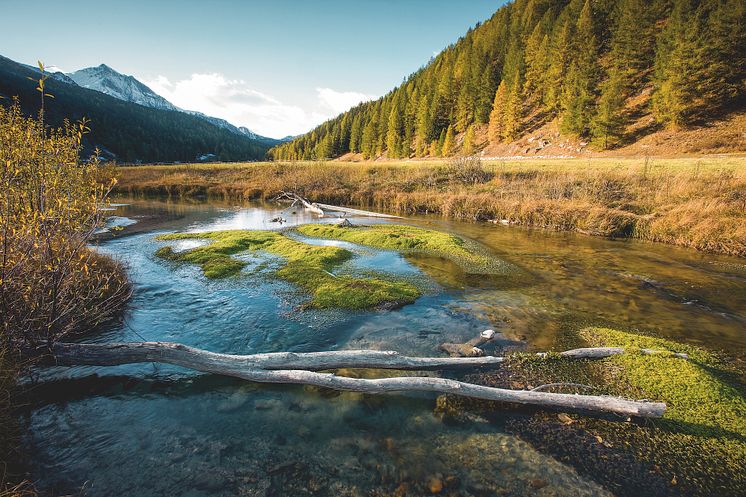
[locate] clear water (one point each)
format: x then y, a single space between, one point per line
170 431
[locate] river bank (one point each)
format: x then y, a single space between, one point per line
691 202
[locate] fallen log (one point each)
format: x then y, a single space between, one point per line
357 212
113 354
318 208
257 368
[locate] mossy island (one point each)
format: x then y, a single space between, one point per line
311 267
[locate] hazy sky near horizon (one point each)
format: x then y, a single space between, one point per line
279 67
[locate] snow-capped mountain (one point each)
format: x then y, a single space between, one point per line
115 84
106 80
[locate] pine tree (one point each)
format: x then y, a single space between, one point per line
423 126
557 70
448 143
369 139
691 75
439 143
632 46
578 97
536 62
497 116
468 146
513 115
356 133
607 127
394 132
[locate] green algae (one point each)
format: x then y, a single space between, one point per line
308 266
410 240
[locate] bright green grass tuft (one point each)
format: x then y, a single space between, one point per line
308 266
407 239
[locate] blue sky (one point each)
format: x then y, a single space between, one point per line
279 67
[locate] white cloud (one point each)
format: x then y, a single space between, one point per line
340 101
234 101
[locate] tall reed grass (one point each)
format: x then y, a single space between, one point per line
697 203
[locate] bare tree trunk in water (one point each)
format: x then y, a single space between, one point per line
300 368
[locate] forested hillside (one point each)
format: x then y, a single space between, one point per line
595 67
126 131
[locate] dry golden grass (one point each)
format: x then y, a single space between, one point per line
698 203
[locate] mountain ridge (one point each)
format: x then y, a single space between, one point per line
105 79
126 131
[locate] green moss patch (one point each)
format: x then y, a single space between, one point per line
696 391
703 436
308 266
409 239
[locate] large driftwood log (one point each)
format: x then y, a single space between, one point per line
281 368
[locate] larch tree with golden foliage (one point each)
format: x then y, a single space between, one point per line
496 126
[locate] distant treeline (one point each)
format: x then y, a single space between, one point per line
131 132
580 61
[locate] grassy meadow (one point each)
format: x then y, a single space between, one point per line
692 202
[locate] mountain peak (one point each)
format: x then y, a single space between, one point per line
107 80
105 68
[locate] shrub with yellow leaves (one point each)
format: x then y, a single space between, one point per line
51 283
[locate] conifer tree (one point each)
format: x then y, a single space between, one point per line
607 127
512 117
439 143
356 133
578 97
632 46
497 116
690 75
394 132
368 143
468 146
448 143
423 126
536 55
557 70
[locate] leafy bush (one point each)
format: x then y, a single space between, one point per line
51 283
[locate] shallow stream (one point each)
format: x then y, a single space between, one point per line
153 430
